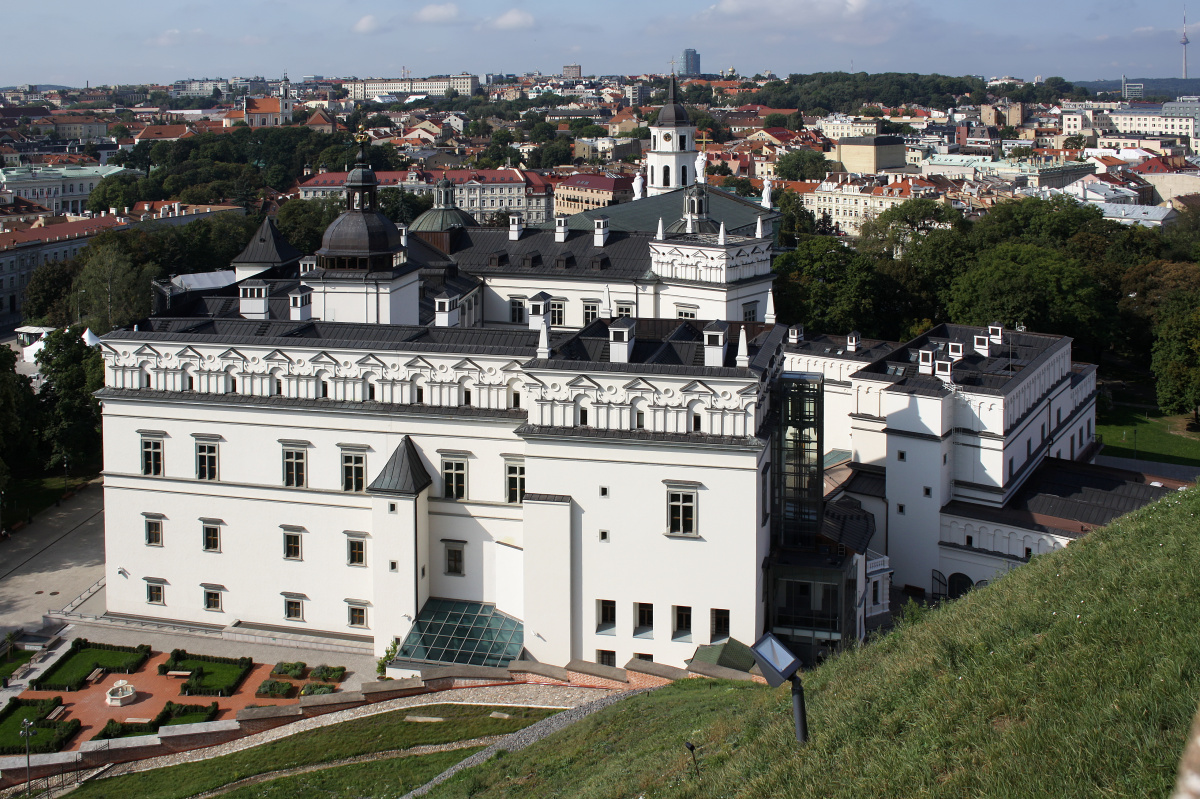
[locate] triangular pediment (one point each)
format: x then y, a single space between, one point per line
511 366
189 352
749 390
371 360
276 355
146 349
232 354
696 387
323 357
583 381
639 384
466 364
418 363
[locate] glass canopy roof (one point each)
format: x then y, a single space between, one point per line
452 631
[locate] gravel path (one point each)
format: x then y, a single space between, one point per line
391 754
520 739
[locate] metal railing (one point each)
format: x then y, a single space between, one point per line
85 596
88 618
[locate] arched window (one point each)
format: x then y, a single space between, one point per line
695 418
683 175
467 392
637 414
959 584
666 175
514 393
275 386
583 408
369 387
418 390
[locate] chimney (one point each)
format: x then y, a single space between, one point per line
981 346
853 340
538 309
795 334
300 304
560 229
445 307
925 364
956 351
253 299
996 332
600 236
620 339
743 353
543 348
716 335
516 226
942 367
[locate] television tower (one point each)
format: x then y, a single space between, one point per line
1184 42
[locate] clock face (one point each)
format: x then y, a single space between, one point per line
666 137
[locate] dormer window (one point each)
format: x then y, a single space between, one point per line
714 339
618 336
535 309
926 356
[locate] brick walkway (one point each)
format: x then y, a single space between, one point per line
154 692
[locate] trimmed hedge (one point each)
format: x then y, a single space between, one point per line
277 689
52 735
317 689
182 660
325 673
121 729
76 654
293 670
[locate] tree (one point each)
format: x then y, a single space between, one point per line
719 168
888 233
775 121
303 222
802 165
18 419
73 372
114 290
1074 143
740 186
403 206
828 286
1176 357
48 296
1019 283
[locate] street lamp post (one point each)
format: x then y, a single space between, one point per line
27 732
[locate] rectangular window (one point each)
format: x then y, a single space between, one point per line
624 309
206 461
358 617
644 626
606 621
591 312
454 479
354 471
515 477
639 420
681 512
558 312
212 538
356 552
291 546
902 456
152 457
928 491
454 558
294 472
154 594
874 592
750 312
646 656
683 623
154 533
720 624
606 657
293 610
900 508
685 313
212 600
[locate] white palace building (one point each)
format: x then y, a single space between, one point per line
564 444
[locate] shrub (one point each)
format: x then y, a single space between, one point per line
72 670
221 678
293 670
325 673
317 689
118 729
274 688
52 735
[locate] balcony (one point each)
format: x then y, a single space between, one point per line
877 564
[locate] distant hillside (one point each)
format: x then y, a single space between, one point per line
1076 675
1166 87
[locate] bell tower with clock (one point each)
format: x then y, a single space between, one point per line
672 156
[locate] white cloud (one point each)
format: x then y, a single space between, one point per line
861 22
514 19
435 13
368 24
167 38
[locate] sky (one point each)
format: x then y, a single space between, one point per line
72 42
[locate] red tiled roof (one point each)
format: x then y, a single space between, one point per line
163 132
599 182
83 227
262 105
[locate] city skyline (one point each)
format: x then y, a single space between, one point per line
1077 40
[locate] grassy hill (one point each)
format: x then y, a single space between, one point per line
1073 676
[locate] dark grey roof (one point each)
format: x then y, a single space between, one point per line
848 524
267 247
673 113
867 481
403 473
835 347
1068 498
358 233
561 498
439 220
488 251
739 214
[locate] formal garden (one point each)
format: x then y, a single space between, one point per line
51 735
85 661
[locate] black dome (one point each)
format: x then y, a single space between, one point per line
359 233
673 114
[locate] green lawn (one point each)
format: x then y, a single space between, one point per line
188 718
79 664
385 779
1155 442
372 734
10 727
1075 677
216 675
15 659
